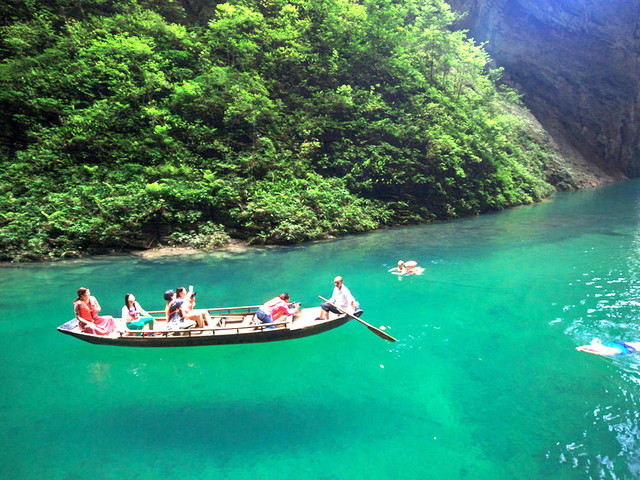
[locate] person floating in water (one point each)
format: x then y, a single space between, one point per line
610 349
407 268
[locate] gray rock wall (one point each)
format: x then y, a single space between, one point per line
577 62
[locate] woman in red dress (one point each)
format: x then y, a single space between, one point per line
86 308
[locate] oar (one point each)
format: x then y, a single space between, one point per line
375 330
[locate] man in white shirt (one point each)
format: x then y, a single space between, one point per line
341 297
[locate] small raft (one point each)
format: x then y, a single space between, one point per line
232 325
610 349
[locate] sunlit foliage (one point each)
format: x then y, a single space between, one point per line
135 122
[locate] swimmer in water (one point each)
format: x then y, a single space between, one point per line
407 268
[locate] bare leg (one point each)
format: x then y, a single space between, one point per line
196 317
205 318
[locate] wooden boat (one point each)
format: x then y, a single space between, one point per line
232 325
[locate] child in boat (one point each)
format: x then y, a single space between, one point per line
86 309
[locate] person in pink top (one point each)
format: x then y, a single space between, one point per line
275 308
86 309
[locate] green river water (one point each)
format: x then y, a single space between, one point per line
483 383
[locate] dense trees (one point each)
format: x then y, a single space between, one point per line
273 120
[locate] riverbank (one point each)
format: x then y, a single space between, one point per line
234 246
581 175
567 170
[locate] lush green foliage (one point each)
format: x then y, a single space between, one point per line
273 120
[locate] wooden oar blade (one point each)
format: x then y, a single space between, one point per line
373 329
381 334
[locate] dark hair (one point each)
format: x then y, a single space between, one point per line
126 299
179 290
168 295
81 292
284 296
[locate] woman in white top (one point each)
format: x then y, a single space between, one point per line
134 316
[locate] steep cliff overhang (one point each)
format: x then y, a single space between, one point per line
577 62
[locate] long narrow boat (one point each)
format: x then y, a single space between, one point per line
232 325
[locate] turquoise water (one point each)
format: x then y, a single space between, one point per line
483 383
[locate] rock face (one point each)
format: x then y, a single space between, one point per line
577 62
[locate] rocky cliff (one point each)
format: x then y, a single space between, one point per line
577 62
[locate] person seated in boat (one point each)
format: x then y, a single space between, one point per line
201 317
407 268
340 298
176 314
134 316
275 308
86 308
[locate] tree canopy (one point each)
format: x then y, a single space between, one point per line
276 121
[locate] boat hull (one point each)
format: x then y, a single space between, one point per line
222 336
